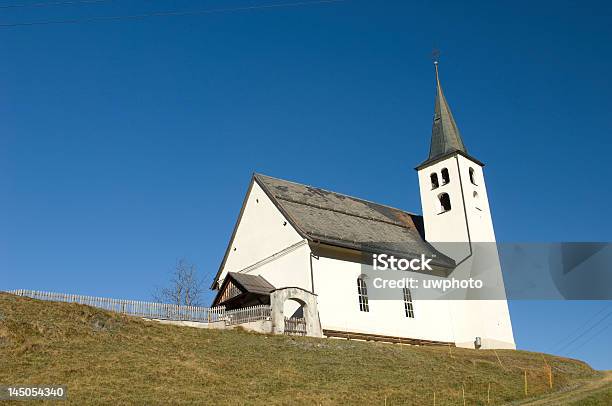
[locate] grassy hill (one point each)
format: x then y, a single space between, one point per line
104 357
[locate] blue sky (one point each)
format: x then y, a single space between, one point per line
126 145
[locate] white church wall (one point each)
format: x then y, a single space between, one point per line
263 233
477 206
487 319
287 270
335 284
498 333
496 328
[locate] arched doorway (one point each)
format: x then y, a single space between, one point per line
295 322
294 308
294 311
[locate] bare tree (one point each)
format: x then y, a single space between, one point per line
185 287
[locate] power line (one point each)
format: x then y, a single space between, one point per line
586 331
53 3
559 344
592 337
168 13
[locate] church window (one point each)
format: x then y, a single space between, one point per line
408 308
445 204
445 176
472 176
362 291
434 180
476 196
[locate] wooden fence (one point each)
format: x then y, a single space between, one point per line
247 314
150 310
295 326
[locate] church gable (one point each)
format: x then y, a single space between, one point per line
228 291
260 232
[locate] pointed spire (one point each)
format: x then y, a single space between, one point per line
445 137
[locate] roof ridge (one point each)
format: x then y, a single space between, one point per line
341 194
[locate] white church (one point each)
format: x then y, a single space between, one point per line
306 252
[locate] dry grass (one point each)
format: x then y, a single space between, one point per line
603 397
108 358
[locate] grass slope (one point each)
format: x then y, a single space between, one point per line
108 358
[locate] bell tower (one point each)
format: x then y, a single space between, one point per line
453 192
457 221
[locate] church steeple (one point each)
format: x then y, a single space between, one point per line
445 136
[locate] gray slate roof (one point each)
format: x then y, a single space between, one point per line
252 283
349 222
